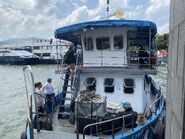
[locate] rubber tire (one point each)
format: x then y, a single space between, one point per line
23 135
72 118
160 131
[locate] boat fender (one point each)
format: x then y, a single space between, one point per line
72 105
127 106
72 118
23 135
159 131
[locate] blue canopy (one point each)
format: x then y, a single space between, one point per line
71 33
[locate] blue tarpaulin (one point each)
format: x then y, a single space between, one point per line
71 32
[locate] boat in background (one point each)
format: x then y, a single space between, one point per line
41 51
18 57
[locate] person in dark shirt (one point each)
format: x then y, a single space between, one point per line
70 60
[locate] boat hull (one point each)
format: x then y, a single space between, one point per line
15 60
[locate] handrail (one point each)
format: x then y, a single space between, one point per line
151 105
77 120
29 102
130 54
29 99
102 122
43 96
37 113
75 71
33 89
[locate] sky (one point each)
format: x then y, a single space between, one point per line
40 18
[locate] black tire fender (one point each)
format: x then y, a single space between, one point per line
23 135
159 131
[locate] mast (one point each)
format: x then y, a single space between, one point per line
107 9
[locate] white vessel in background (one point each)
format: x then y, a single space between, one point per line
46 51
18 57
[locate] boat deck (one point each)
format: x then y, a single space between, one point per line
62 129
59 135
132 69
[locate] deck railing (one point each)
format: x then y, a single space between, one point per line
156 103
96 125
77 110
130 60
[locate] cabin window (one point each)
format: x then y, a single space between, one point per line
128 86
36 48
46 54
90 84
109 85
103 43
118 42
88 44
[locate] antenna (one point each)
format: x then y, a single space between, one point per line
107 9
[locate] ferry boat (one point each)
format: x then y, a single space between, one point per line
44 52
49 51
111 94
17 57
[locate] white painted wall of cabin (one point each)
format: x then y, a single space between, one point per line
137 99
111 57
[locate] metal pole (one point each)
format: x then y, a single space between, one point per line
149 47
31 127
107 9
112 130
77 122
57 49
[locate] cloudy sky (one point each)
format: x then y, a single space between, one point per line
40 18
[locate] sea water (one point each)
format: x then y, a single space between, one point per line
13 103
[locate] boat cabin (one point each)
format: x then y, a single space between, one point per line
116 56
116 43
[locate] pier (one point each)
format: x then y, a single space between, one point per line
175 120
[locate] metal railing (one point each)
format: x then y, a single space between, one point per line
107 121
29 125
30 94
129 60
156 103
48 116
77 108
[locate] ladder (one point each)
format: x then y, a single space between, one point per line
68 94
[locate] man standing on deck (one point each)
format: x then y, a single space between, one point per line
70 60
49 92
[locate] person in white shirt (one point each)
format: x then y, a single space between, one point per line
49 92
39 98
